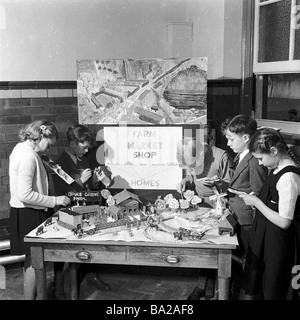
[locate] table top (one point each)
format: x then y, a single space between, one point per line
131 243
137 237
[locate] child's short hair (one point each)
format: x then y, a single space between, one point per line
240 124
80 134
36 129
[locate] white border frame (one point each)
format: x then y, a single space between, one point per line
278 66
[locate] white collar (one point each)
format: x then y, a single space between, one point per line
283 165
243 154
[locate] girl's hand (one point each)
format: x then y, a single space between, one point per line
85 175
63 201
249 198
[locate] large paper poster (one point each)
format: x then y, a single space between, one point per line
143 157
143 92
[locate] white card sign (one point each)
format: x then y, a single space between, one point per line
143 157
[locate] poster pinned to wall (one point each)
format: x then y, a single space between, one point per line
143 157
142 92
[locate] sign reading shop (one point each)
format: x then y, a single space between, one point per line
143 157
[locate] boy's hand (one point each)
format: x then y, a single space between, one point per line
85 175
101 176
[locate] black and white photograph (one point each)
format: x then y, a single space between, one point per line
150 154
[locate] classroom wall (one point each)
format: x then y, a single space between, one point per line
208 40
232 54
42 39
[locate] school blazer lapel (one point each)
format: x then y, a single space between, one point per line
241 167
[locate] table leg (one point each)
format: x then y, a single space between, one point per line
41 287
37 259
73 281
224 274
223 288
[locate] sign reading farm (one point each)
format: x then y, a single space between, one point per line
143 157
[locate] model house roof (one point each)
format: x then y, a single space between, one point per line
125 195
70 212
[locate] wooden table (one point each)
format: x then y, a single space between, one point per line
195 255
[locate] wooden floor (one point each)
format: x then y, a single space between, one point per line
142 283
131 283
127 283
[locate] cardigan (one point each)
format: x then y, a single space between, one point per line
29 186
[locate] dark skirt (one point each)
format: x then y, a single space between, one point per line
22 221
270 259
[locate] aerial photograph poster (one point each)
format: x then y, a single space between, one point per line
142 92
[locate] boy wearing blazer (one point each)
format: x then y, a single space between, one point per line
247 176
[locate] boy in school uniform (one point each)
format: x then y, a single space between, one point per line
74 161
248 176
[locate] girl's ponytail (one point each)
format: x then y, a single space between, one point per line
292 156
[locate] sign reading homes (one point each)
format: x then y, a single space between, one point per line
143 157
84 196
